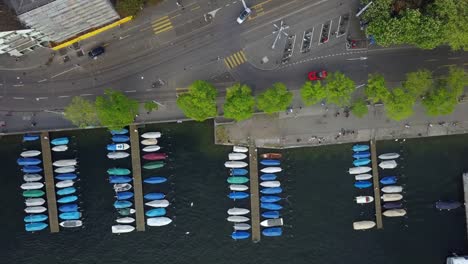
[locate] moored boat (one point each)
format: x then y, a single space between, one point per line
149 142
59 141
65 163
152 148
360 155
361 162
270 184
30 137
32 185
155 180
388 180
270 162
362 184
238 211
392 189
66 191
154 196
270 206
237 180
270 198
158 221
268 177
121 131
126 211
237 235
68 208
31 227
235 164
359 170
158 203
394 212
272 222
122 187
120 138
388 164
271 170
362 177
60 148
32 177
119 179
153 165
151 135
238 187
125 220
447 205
117 155
391 197
66 176
358 147
33 193
67 199
35 218
67 169
240 149
392 205
271 214
364 199
272 231
271 156
35 209
34 201
119 229
64 184
239 172
155 156
238 195
31 169
122 204
71 223
118 171
275 190
124 195
237 219
363 225
70 216
156 212
241 226
237 156
118 146
389 156
28 161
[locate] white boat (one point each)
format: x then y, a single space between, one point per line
35 209
237 219
272 222
271 170
65 163
32 185
389 156
457 260
71 223
158 203
151 148
362 177
122 187
117 155
64 184
34 201
149 142
394 212
118 229
240 149
363 225
60 148
241 226
237 156
30 153
364 199
359 170
66 169
125 220
238 211
388 164
158 221
32 177
391 197
151 135
270 184
235 164
238 187
392 189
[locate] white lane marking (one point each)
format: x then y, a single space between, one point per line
360 58
69 70
18 98
63 96
86 94
41 98
43 80
360 85
149 90
131 91
124 37
18 85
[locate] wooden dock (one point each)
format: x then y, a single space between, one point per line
254 193
49 183
465 189
137 186
376 183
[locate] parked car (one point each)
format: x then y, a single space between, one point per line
244 15
94 53
317 75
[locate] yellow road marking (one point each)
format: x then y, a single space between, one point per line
162 24
262 3
243 56
239 58
195 8
235 59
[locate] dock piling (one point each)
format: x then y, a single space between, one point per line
254 193
49 183
137 185
376 183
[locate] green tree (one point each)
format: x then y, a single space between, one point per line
453 15
239 103
275 99
312 93
199 103
129 7
81 113
418 83
440 101
399 104
339 89
115 110
359 108
457 80
150 106
376 89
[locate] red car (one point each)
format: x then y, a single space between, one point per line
317 75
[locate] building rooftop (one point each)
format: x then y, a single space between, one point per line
8 20
23 6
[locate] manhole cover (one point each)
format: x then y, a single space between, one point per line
265 59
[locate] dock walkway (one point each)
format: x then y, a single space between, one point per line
49 183
465 189
375 174
254 193
137 186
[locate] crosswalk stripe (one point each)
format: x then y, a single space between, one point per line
239 55
163 28
243 56
227 63
238 60
165 18
231 62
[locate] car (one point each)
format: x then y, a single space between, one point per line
244 15
94 53
317 75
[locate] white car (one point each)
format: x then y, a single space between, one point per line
244 15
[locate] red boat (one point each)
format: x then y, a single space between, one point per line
271 156
155 156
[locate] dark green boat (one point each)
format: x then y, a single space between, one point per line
154 165
118 171
33 193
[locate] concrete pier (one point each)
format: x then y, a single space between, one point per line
137 186
49 183
376 183
465 190
254 193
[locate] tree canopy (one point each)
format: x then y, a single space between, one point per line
275 99
457 80
418 83
150 106
129 7
81 112
199 103
239 103
339 89
359 108
399 104
376 89
115 110
312 93
440 101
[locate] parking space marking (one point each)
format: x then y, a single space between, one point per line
195 8
235 59
161 25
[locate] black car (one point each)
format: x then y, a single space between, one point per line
96 52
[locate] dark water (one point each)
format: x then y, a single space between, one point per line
318 215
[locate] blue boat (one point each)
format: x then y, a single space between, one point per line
28 161
447 205
271 206
361 162
35 226
122 204
67 199
35 218
66 176
66 191
362 184
155 180
31 169
30 137
154 196
122 131
238 195
393 205
268 177
238 172
271 214
388 180
270 162
357 148
119 179
360 155
272 231
270 198
240 235
120 138
68 208
70 216
156 212
274 190
124 195
59 141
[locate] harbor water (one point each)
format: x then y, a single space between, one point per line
318 214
